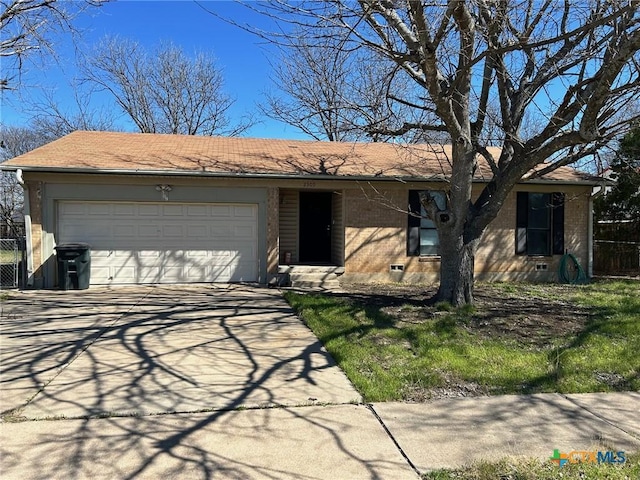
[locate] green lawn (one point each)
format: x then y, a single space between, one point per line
530 342
537 470
7 256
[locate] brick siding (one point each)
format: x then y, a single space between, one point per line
376 232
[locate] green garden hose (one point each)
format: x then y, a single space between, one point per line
570 270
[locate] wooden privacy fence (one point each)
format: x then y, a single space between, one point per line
613 257
616 249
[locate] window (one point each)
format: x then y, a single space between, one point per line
540 223
422 235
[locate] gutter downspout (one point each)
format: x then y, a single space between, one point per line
27 227
590 239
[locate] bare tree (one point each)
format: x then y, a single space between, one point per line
29 26
15 141
550 82
313 79
11 204
165 91
18 140
51 120
330 89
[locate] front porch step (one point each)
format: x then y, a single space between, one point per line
311 276
301 280
311 269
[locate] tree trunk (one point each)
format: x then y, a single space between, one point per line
457 232
457 260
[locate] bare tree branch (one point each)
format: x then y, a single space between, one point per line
165 91
29 27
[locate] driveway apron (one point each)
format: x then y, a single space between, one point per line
42 332
161 349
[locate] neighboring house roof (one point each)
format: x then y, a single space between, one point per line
114 152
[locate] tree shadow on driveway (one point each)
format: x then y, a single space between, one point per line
118 361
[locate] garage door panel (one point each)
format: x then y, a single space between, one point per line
196 271
159 243
197 210
147 254
242 273
198 254
148 230
172 210
174 259
124 209
119 274
197 230
98 209
175 274
149 209
120 254
220 211
120 231
173 230
100 271
221 271
221 232
244 231
222 257
242 211
72 208
149 275
93 232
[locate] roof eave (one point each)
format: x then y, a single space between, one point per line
200 174
273 176
550 181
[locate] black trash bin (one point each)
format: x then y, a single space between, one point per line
74 266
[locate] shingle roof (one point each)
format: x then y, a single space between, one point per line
88 151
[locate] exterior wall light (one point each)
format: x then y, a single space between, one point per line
164 191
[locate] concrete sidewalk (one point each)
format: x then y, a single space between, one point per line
316 442
383 440
454 432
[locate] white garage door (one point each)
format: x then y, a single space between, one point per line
164 242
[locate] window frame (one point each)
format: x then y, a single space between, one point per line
419 223
527 230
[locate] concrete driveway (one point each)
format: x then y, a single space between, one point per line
160 349
149 382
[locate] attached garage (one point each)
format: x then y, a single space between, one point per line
146 242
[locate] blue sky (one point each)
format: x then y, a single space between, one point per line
242 56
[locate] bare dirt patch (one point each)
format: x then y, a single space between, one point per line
536 317
533 316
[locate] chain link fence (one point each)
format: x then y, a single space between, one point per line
12 262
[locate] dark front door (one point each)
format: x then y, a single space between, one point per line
315 227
